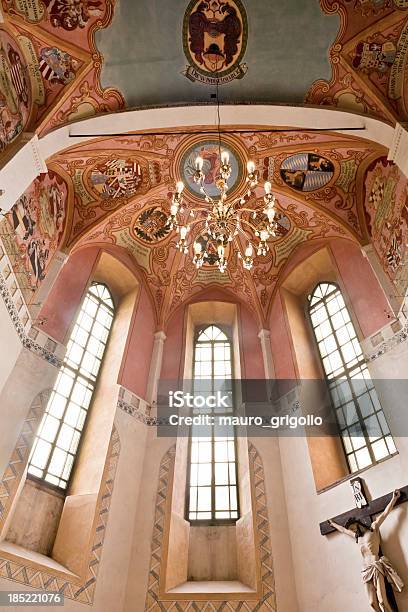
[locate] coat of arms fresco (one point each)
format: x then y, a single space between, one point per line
306 171
32 230
215 35
117 178
151 224
15 91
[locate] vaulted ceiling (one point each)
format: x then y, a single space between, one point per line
62 62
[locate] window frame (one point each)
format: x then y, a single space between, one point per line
89 382
346 370
213 521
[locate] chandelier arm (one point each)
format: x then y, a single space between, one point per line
209 199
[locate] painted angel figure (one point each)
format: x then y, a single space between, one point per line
376 568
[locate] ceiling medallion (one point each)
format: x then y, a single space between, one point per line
215 34
208 150
219 226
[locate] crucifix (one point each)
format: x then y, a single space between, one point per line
363 523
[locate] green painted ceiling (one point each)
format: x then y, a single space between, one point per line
287 50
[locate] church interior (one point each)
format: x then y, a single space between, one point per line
207 195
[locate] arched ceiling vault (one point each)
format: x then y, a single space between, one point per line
121 189
73 74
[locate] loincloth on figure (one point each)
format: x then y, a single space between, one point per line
382 566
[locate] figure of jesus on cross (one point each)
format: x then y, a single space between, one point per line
376 567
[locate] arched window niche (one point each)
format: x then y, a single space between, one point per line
51 522
362 424
214 557
332 458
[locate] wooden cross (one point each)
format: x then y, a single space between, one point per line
366 513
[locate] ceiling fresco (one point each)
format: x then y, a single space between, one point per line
121 193
369 60
386 206
62 61
32 231
50 67
259 61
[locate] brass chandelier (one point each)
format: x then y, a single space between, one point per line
220 222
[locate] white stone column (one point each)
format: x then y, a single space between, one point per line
265 338
58 260
22 164
155 367
388 287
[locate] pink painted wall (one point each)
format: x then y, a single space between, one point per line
172 366
368 300
64 299
281 344
135 367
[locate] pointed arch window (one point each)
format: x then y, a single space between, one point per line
56 443
212 490
363 428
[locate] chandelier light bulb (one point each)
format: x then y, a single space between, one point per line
264 235
270 213
179 187
268 187
251 167
197 248
183 232
224 157
249 251
173 210
199 163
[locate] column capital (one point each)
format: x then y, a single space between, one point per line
160 336
264 334
60 257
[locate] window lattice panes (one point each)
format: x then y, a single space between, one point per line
212 491
364 431
60 430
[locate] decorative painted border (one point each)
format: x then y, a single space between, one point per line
26 341
33 575
20 328
16 466
390 343
135 407
268 599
